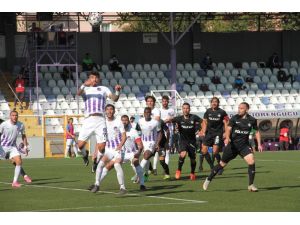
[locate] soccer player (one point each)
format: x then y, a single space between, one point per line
188 126
237 143
95 101
70 136
155 113
214 124
151 136
167 114
9 131
133 148
114 151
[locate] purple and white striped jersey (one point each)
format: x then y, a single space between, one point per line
166 114
131 137
9 133
115 129
149 129
155 112
95 99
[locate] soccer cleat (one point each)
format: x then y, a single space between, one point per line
146 177
177 174
27 179
91 187
142 188
154 172
86 161
220 172
95 189
167 177
252 188
133 178
94 167
192 176
122 191
16 184
205 184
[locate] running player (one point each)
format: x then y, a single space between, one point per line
237 143
155 113
151 136
167 114
9 131
188 125
70 136
214 124
95 101
114 151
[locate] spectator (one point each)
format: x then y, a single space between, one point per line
204 87
284 138
274 61
238 83
36 34
133 124
207 62
249 79
66 74
215 80
283 77
114 64
62 36
20 90
87 63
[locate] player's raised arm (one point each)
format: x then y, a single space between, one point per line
115 96
87 83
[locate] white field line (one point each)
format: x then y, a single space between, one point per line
116 206
109 192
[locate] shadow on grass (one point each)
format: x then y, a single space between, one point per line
54 182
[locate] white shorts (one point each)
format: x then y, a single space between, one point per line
149 145
70 142
128 157
93 124
13 152
112 154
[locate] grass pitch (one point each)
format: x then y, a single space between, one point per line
59 185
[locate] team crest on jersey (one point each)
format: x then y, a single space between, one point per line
219 115
99 89
192 122
249 124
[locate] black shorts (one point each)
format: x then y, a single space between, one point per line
213 139
231 151
189 147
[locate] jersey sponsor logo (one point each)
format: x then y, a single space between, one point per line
187 127
215 119
241 132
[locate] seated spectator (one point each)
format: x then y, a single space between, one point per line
20 90
204 87
87 63
207 62
274 61
284 138
66 74
114 64
238 83
283 77
188 82
215 80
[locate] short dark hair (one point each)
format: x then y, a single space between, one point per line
215 98
147 108
94 73
110 105
246 104
150 96
186 104
165 97
13 111
124 116
70 118
132 118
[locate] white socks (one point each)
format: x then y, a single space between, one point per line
120 175
155 160
17 173
75 150
99 172
104 173
139 172
167 158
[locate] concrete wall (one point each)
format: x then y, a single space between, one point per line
36 147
